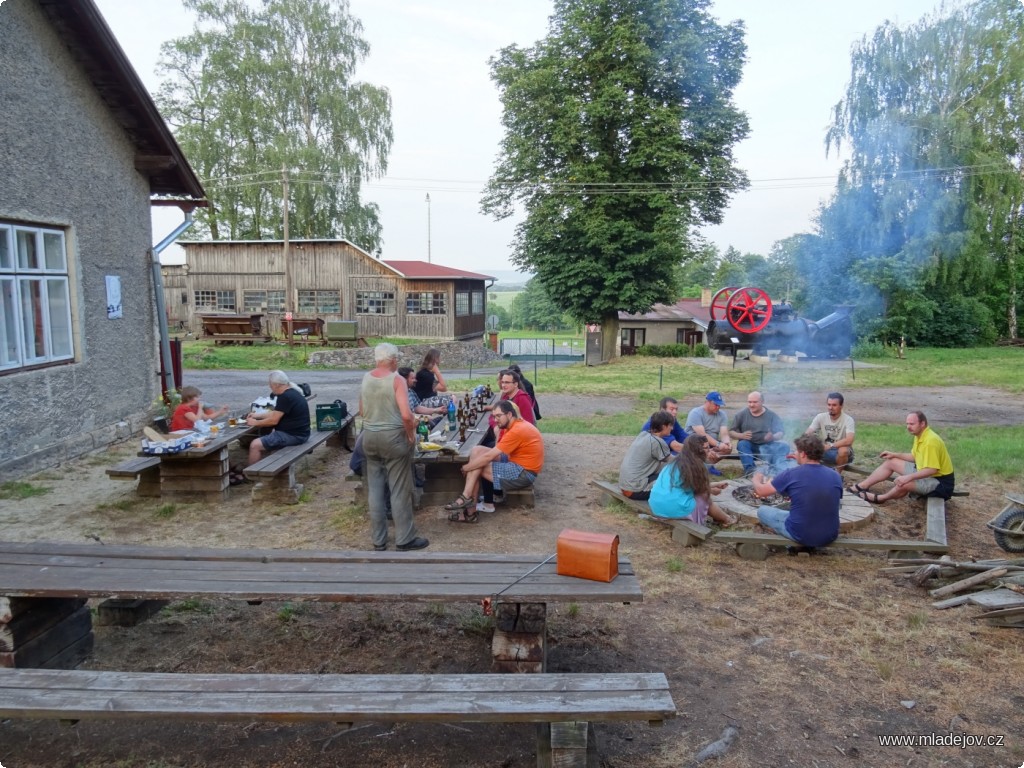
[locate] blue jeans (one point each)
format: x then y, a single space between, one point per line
774 453
774 518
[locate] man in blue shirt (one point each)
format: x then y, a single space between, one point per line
815 492
674 439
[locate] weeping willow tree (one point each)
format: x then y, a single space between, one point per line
927 213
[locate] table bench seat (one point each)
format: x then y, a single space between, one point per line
82 694
685 532
146 468
276 470
755 546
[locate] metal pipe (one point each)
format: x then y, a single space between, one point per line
161 307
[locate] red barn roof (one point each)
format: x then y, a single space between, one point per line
423 270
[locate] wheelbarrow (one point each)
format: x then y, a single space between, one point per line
1008 526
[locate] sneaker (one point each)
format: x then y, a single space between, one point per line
499 496
418 543
482 507
715 471
379 547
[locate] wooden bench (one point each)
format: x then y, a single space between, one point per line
685 532
276 471
38 576
756 546
146 468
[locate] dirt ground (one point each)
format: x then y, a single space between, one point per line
812 658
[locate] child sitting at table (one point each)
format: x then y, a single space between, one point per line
188 413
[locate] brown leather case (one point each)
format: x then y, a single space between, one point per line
585 555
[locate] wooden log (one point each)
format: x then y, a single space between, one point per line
752 551
13 607
39 650
33 622
521 617
971 581
519 652
951 602
127 613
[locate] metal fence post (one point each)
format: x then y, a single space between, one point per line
661 376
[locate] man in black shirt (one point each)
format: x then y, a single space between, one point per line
290 418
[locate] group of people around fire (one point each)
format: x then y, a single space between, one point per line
670 465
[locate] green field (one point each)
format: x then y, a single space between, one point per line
503 299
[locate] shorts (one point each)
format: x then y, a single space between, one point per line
930 486
278 439
509 476
832 454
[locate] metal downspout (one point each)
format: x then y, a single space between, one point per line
161 306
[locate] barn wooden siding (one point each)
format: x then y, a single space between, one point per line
316 265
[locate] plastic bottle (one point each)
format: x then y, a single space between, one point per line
423 430
451 414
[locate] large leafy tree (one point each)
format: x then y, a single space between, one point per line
924 224
259 92
619 128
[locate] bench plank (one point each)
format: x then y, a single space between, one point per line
277 461
936 527
62 570
771 539
133 467
684 527
80 694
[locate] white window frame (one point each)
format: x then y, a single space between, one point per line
259 300
426 303
222 301
35 297
319 301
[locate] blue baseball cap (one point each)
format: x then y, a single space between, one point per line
715 398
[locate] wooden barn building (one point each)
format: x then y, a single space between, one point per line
331 280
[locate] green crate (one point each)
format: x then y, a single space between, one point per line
328 417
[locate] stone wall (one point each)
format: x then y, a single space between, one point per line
454 355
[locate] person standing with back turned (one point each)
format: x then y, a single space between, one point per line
388 439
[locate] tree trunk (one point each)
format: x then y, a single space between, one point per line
609 337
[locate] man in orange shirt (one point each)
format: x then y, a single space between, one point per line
513 463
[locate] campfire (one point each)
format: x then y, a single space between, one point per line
745 495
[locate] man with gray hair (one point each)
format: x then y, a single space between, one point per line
289 419
388 439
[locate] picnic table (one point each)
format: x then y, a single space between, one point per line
443 469
43 586
202 471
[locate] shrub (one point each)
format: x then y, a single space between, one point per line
867 350
664 350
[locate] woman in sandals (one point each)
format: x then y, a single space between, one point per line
683 490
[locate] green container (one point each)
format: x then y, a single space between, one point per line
328 417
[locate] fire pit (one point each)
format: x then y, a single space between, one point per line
738 498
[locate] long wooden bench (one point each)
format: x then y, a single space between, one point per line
146 468
756 546
276 471
685 532
35 576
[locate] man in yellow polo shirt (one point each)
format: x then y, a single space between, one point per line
927 470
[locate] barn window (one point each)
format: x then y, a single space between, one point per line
35 298
375 302
478 302
222 301
462 304
426 303
320 301
263 301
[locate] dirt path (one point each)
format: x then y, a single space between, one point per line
810 657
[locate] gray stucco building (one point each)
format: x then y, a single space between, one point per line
84 153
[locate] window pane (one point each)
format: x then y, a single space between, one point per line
9 356
28 257
60 317
375 303
53 245
254 301
478 302
33 319
461 304
6 254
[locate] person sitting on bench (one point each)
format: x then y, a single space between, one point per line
927 470
512 464
683 490
814 491
290 418
836 430
191 410
646 457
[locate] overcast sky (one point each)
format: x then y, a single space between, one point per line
432 56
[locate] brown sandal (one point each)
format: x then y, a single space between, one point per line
463 515
460 503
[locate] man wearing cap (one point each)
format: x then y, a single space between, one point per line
835 429
675 436
710 421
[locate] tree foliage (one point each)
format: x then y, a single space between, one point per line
258 89
619 128
923 232
533 308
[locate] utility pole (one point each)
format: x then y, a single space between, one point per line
287 266
428 227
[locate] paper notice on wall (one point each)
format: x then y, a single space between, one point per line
113 297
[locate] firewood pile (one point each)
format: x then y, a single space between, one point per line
995 586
